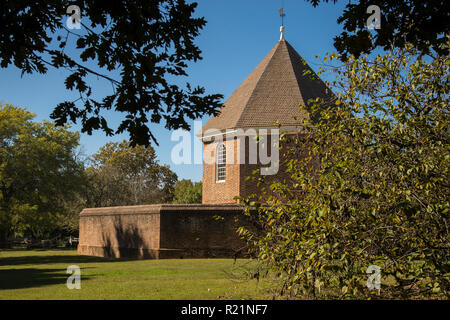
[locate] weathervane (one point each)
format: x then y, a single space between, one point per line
282 15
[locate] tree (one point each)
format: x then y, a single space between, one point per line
40 175
372 187
125 175
148 42
420 23
186 191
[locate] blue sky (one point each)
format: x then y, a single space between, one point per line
236 38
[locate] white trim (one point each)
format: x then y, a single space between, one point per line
228 132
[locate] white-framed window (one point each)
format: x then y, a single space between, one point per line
221 160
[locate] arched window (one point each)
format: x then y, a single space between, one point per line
221 159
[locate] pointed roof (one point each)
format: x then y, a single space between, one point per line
271 93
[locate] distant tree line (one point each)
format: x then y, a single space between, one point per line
45 182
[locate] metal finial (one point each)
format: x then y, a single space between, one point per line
282 33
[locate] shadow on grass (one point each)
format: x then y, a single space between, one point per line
32 277
51 259
125 243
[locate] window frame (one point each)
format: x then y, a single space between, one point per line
221 163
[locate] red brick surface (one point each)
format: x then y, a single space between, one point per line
162 231
214 192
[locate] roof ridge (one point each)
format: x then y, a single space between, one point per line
243 92
281 45
292 52
276 47
303 87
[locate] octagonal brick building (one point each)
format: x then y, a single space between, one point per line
268 98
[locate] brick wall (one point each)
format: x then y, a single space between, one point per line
162 231
214 192
120 232
186 234
236 183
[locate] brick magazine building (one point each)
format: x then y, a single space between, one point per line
268 98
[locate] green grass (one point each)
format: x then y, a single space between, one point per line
41 274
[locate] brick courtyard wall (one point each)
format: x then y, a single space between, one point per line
162 231
201 231
120 232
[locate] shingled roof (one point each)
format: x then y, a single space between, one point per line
271 93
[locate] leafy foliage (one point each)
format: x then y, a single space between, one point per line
125 175
40 175
421 23
368 185
44 184
186 191
148 42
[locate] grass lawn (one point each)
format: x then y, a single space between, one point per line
41 274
